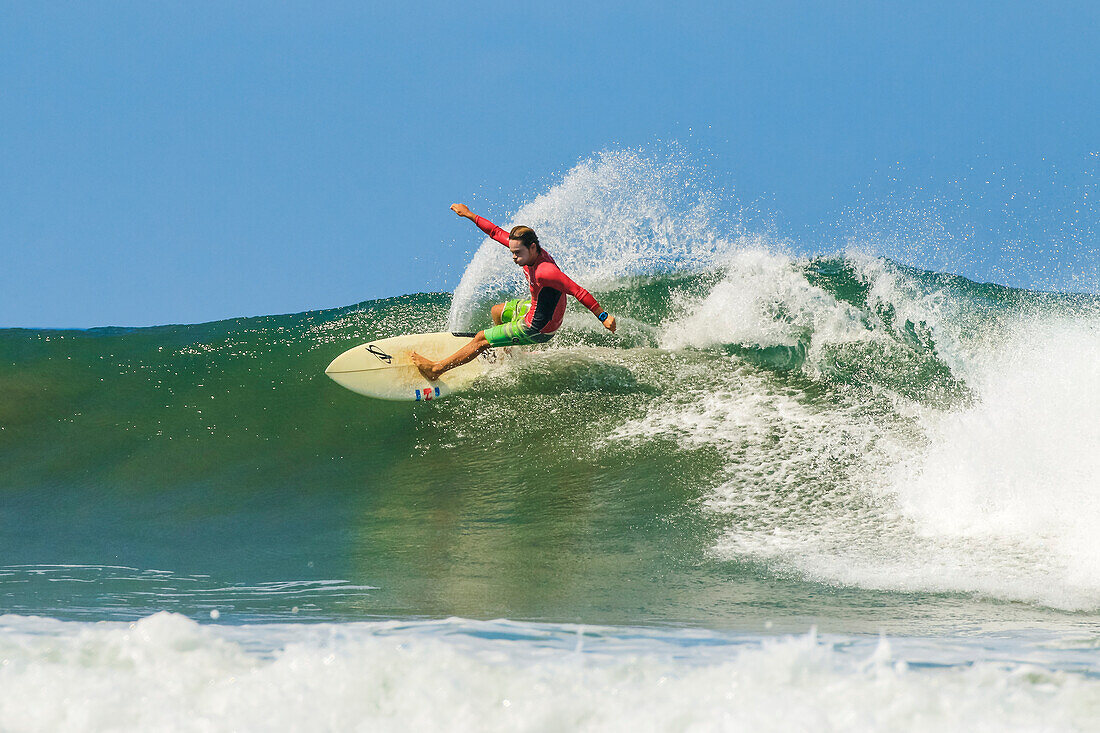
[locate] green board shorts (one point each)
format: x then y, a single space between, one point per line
513 331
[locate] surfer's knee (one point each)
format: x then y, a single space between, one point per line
497 312
481 342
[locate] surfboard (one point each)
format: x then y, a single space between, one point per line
381 369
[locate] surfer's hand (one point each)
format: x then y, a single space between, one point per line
462 210
609 324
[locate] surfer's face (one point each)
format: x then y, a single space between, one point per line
521 254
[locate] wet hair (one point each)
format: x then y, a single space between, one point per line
525 235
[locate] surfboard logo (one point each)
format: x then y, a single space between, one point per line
379 353
427 394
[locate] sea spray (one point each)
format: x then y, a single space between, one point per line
615 216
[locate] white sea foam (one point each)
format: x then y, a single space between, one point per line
996 496
166 672
1022 465
764 299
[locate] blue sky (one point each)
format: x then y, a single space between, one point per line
181 162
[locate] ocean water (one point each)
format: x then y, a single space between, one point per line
794 492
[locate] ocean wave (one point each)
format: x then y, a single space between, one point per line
838 419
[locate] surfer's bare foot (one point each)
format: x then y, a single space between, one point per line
425 365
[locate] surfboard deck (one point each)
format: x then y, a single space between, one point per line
381 369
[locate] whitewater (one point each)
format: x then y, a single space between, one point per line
824 491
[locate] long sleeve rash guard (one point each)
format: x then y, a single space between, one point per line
548 283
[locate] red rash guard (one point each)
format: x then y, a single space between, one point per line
547 285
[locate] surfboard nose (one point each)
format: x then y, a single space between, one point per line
349 361
343 368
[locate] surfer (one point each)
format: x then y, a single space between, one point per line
519 321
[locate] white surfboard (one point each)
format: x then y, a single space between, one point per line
382 369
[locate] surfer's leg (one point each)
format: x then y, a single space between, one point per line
433 369
509 311
509 331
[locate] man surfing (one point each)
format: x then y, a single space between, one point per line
519 322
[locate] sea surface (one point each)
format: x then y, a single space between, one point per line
793 492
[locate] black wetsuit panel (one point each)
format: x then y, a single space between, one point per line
544 308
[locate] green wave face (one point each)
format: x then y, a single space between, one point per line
771 438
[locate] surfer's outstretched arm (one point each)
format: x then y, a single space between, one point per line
483 224
433 369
